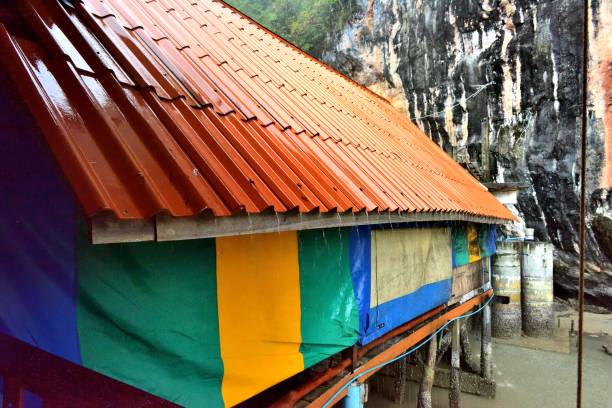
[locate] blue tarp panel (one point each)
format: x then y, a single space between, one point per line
396 312
487 237
360 259
37 242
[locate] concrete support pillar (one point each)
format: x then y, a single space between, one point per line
455 380
429 369
537 289
506 318
486 348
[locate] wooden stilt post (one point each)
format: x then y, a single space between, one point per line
429 369
443 346
401 381
486 349
466 350
455 390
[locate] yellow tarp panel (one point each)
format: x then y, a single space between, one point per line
258 289
473 243
403 260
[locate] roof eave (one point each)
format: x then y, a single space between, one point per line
106 228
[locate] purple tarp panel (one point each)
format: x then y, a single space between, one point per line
37 242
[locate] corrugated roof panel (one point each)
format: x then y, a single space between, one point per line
180 107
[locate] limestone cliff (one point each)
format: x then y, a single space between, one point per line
497 84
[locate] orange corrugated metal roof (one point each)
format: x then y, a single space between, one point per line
181 107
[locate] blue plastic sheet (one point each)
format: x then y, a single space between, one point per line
37 237
360 262
396 312
487 237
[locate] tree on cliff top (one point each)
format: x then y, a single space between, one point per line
309 24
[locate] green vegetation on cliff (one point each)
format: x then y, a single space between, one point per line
309 24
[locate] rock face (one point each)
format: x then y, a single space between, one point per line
496 83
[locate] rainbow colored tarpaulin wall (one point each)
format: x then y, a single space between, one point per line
202 322
209 322
212 322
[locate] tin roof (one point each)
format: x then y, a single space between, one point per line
180 107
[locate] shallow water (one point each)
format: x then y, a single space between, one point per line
530 378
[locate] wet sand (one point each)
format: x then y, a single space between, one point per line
530 378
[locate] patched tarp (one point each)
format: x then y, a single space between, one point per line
399 274
404 260
487 237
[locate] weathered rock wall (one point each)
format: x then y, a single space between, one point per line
497 84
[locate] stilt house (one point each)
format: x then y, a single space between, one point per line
196 208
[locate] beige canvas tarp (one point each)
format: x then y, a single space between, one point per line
403 260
